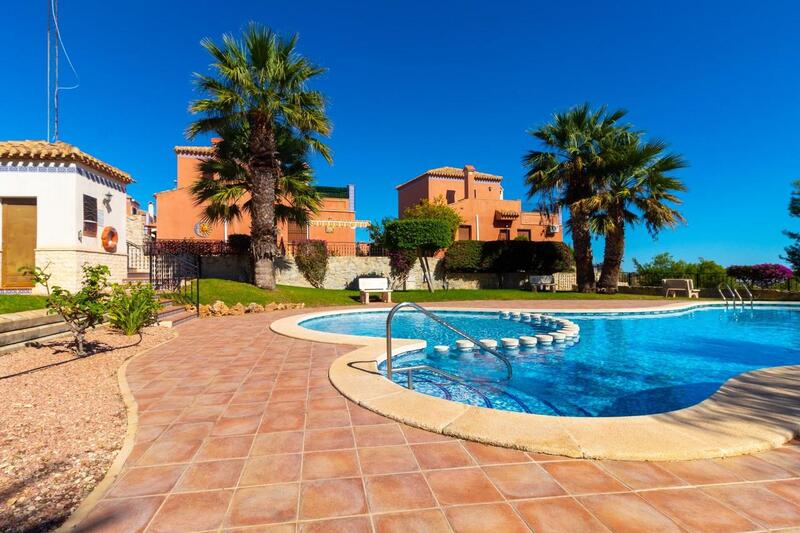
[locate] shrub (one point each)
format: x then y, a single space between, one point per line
706 273
435 210
239 243
764 275
132 308
311 258
426 236
400 264
464 256
81 310
508 256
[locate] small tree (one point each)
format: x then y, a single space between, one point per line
81 310
435 210
311 258
423 236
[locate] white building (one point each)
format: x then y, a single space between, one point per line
61 208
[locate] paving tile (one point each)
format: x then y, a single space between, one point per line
121 516
441 455
329 439
757 503
165 451
195 511
327 419
418 436
582 477
240 425
330 464
462 486
268 504
482 518
526 480
224 448
387 460
627 513
159 417
696 510
491 455
243 409
640 475
147 481
202 413
280 442
277 421
327 404
556 515
332 497
753 469
700 472
356 524
788 490
427 521
266 469
190 431
380 435
786 457
211 475
398 492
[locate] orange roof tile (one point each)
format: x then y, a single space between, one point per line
452 172
194 150
58 151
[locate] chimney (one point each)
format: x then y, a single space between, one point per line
469 180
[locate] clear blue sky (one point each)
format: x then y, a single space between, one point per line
414 85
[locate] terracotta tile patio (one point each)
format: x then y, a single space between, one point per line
239 427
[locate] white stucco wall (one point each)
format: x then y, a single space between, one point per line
59 190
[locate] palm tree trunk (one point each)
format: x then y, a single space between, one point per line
263 232
612 257
582 242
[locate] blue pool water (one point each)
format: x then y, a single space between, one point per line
623 364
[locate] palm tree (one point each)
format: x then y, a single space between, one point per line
224 189
569 169
638 189
259 87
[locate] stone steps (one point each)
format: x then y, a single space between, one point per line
17 329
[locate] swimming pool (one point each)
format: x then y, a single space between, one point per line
623 363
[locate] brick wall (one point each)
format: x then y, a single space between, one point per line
66 266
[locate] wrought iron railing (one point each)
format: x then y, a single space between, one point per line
138 260
178 275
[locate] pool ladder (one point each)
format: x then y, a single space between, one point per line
409 370
734 294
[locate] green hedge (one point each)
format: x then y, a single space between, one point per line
426 235
508 256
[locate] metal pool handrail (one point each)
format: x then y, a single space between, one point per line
749 295
444 323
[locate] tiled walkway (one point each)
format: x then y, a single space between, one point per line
241 430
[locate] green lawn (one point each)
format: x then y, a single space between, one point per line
232 292
13 303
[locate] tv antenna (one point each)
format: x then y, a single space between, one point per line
54 46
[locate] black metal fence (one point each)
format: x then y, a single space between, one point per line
177 274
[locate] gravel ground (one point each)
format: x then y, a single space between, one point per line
60 427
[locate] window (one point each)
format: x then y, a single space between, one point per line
464 233
451 196
504 235
89 216
524 234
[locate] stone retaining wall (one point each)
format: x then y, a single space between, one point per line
66 266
